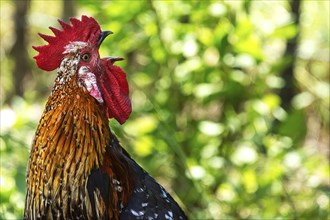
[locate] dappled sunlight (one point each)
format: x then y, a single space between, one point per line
211 117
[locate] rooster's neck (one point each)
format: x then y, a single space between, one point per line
69 127
70 141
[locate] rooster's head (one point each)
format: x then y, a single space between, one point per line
75 52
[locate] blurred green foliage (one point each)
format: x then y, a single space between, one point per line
208 121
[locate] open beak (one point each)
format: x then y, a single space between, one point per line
112 59
104 34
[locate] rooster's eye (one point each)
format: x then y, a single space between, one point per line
85 57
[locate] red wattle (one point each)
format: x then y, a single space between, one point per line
115 92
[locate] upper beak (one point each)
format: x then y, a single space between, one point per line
104 34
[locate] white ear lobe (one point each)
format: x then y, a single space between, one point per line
89 82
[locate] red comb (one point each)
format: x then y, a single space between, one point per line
50 56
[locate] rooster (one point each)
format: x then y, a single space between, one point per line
77 168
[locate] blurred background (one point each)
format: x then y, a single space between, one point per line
230 100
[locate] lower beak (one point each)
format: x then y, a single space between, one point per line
113 59
104 34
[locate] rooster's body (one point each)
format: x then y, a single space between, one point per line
77 168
